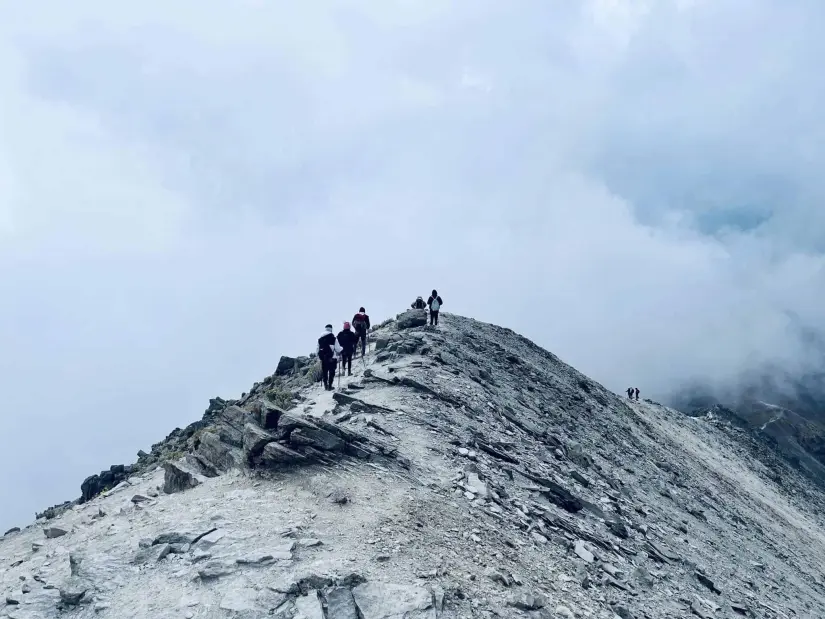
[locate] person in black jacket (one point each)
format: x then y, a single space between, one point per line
347 339
328 352
418 303
434 303
361 323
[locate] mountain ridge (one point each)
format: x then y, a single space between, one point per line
462 472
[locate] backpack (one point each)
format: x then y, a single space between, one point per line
359 323
435 305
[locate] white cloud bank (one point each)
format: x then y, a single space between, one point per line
189 190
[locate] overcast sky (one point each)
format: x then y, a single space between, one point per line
190 189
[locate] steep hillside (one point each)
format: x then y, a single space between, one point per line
461 472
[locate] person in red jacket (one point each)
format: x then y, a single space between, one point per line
361 323
434 303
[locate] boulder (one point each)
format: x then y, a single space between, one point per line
528 601
309 607
153 554
315 437
53 532
269 415
275 455
286 365
340 604
389 601
287 423
217 454
12 531
254 441
179 477
411 318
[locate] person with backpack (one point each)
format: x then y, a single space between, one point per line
434 303
329 350
637 394
361 323
347 339
630 393
418 303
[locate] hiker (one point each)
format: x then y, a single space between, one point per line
361 322
347 339
434 303
418 303
630 392
328 352
637 394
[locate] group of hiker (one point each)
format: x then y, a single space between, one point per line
332 348
434 303
344 346
631 391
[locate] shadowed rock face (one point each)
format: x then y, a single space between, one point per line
462 471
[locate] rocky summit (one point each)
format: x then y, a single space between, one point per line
462 471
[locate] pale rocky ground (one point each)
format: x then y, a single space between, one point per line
505 484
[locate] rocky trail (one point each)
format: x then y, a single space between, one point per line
461 472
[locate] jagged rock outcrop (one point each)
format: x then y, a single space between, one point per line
462 472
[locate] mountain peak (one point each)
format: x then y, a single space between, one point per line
461 471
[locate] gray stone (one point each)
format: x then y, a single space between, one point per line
73 594
153 554
275 454
53 532
12 531
411 318
476 486
173 538
217 454
583 553
528 601
179 477
139 498
391 601
254 441
340 604
215 569
309 607
209 540
287 423
315 437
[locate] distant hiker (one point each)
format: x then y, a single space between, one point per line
630 392
418 303
347 339
434 303
328 352
361 322
637 394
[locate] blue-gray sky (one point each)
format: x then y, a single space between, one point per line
190 189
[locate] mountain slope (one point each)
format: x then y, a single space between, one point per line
462 472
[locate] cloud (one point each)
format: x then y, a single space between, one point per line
189 190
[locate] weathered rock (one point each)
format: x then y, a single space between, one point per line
391 601
411 318
286 365
210 539
582 552
180 477
105 480
618 528
53 532
217 454
340 604
315 437
528 601
215 569
173 538
73 594
139 498
707 582
476 486
12 531
153 554
270 415
275 455
254 441
287 423
309 607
